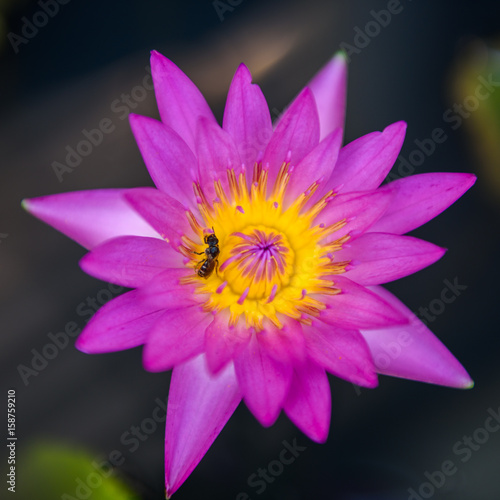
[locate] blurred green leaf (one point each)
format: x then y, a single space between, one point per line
50 472
479 63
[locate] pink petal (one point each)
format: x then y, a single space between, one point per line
379 258
160 210
296 134
360 210
90 217
169 159
364 163
329 88
178 336
287 344
165 291
180 103
247 118
357 307
413 351
318 164
223 342
216 153
309 404
343 353
419 198
199 405
264 381
122 323
130 261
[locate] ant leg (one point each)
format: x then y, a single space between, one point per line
217 267
199 253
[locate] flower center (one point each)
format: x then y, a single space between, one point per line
260 260
273 260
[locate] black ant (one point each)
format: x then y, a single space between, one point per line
211 252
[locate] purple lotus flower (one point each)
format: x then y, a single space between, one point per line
256 263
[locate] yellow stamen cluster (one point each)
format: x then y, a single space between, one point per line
272 259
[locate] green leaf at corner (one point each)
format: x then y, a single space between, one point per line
52 472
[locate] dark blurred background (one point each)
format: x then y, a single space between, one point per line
72 71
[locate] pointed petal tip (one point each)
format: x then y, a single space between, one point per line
341 54
461 379
399 126
33 205
369 382
243 68
266 420
157 59
469 385
339 59
88 344
85 263
153 366
169 491
319 436
80 345
155 54
307 93
438 253
141 126
160 64
39 206
470 180
133 117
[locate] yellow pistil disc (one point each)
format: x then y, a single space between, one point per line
272 260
